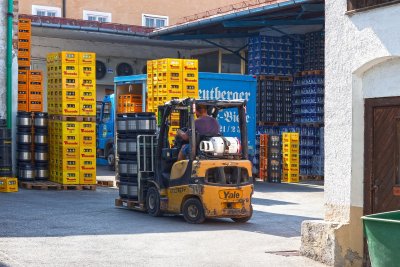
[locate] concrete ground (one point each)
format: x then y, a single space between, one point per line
83 228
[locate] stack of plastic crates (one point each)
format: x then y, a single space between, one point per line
291 154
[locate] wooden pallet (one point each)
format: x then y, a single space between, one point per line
129 204
78 187
40 185
311 178
105 183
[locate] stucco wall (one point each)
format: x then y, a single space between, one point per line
354 44
361 61
130 12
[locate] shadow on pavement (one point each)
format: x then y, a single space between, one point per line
263 187
31 213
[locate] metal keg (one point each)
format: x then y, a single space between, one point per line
24 119
40 120
131 124
26 171
146 122
41 137
122 146
121 123
126 146
42 172
131 146
41 154
24 138
123 189
128 167
132 190
24 153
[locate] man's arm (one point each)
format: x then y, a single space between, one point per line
183 135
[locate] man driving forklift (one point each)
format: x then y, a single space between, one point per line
204 125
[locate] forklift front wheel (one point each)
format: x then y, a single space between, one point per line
153 202
193 211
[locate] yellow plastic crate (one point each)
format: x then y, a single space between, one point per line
68 177
87 58
68 57
68 95
69 152
68 70
169 77
87 71
190 65
87 128
88 152
70 165
290 138
169 64
87 177
87 108
87 140
68 108
8 184
87 96
88 164
87 84
190 90
69 140
190 77
70 127
70 83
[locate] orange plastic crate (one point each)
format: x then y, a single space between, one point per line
23 105
36 95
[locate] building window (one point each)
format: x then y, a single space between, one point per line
48 11
364 4
96 16
154 21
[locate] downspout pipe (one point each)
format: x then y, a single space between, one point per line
10 17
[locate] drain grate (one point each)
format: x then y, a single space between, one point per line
285 253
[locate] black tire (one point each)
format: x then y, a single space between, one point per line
193 211
153 202
111 161
244 219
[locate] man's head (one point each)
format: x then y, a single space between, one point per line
201 110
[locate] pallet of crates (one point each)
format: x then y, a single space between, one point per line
291 155
24 43
263 171
274 159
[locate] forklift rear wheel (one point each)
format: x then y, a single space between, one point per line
193 211
111 161
244 219
153 202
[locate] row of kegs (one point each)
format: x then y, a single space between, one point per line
129 128
5 150
32 146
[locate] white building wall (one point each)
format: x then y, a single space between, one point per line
362 60
354 44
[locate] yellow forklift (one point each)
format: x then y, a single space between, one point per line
216 179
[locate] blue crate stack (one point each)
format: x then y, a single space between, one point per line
291 90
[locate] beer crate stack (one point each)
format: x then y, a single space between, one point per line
72 111
291 156
8 183
274 159
30 82
171 78
263 157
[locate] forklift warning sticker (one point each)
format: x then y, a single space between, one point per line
230 194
